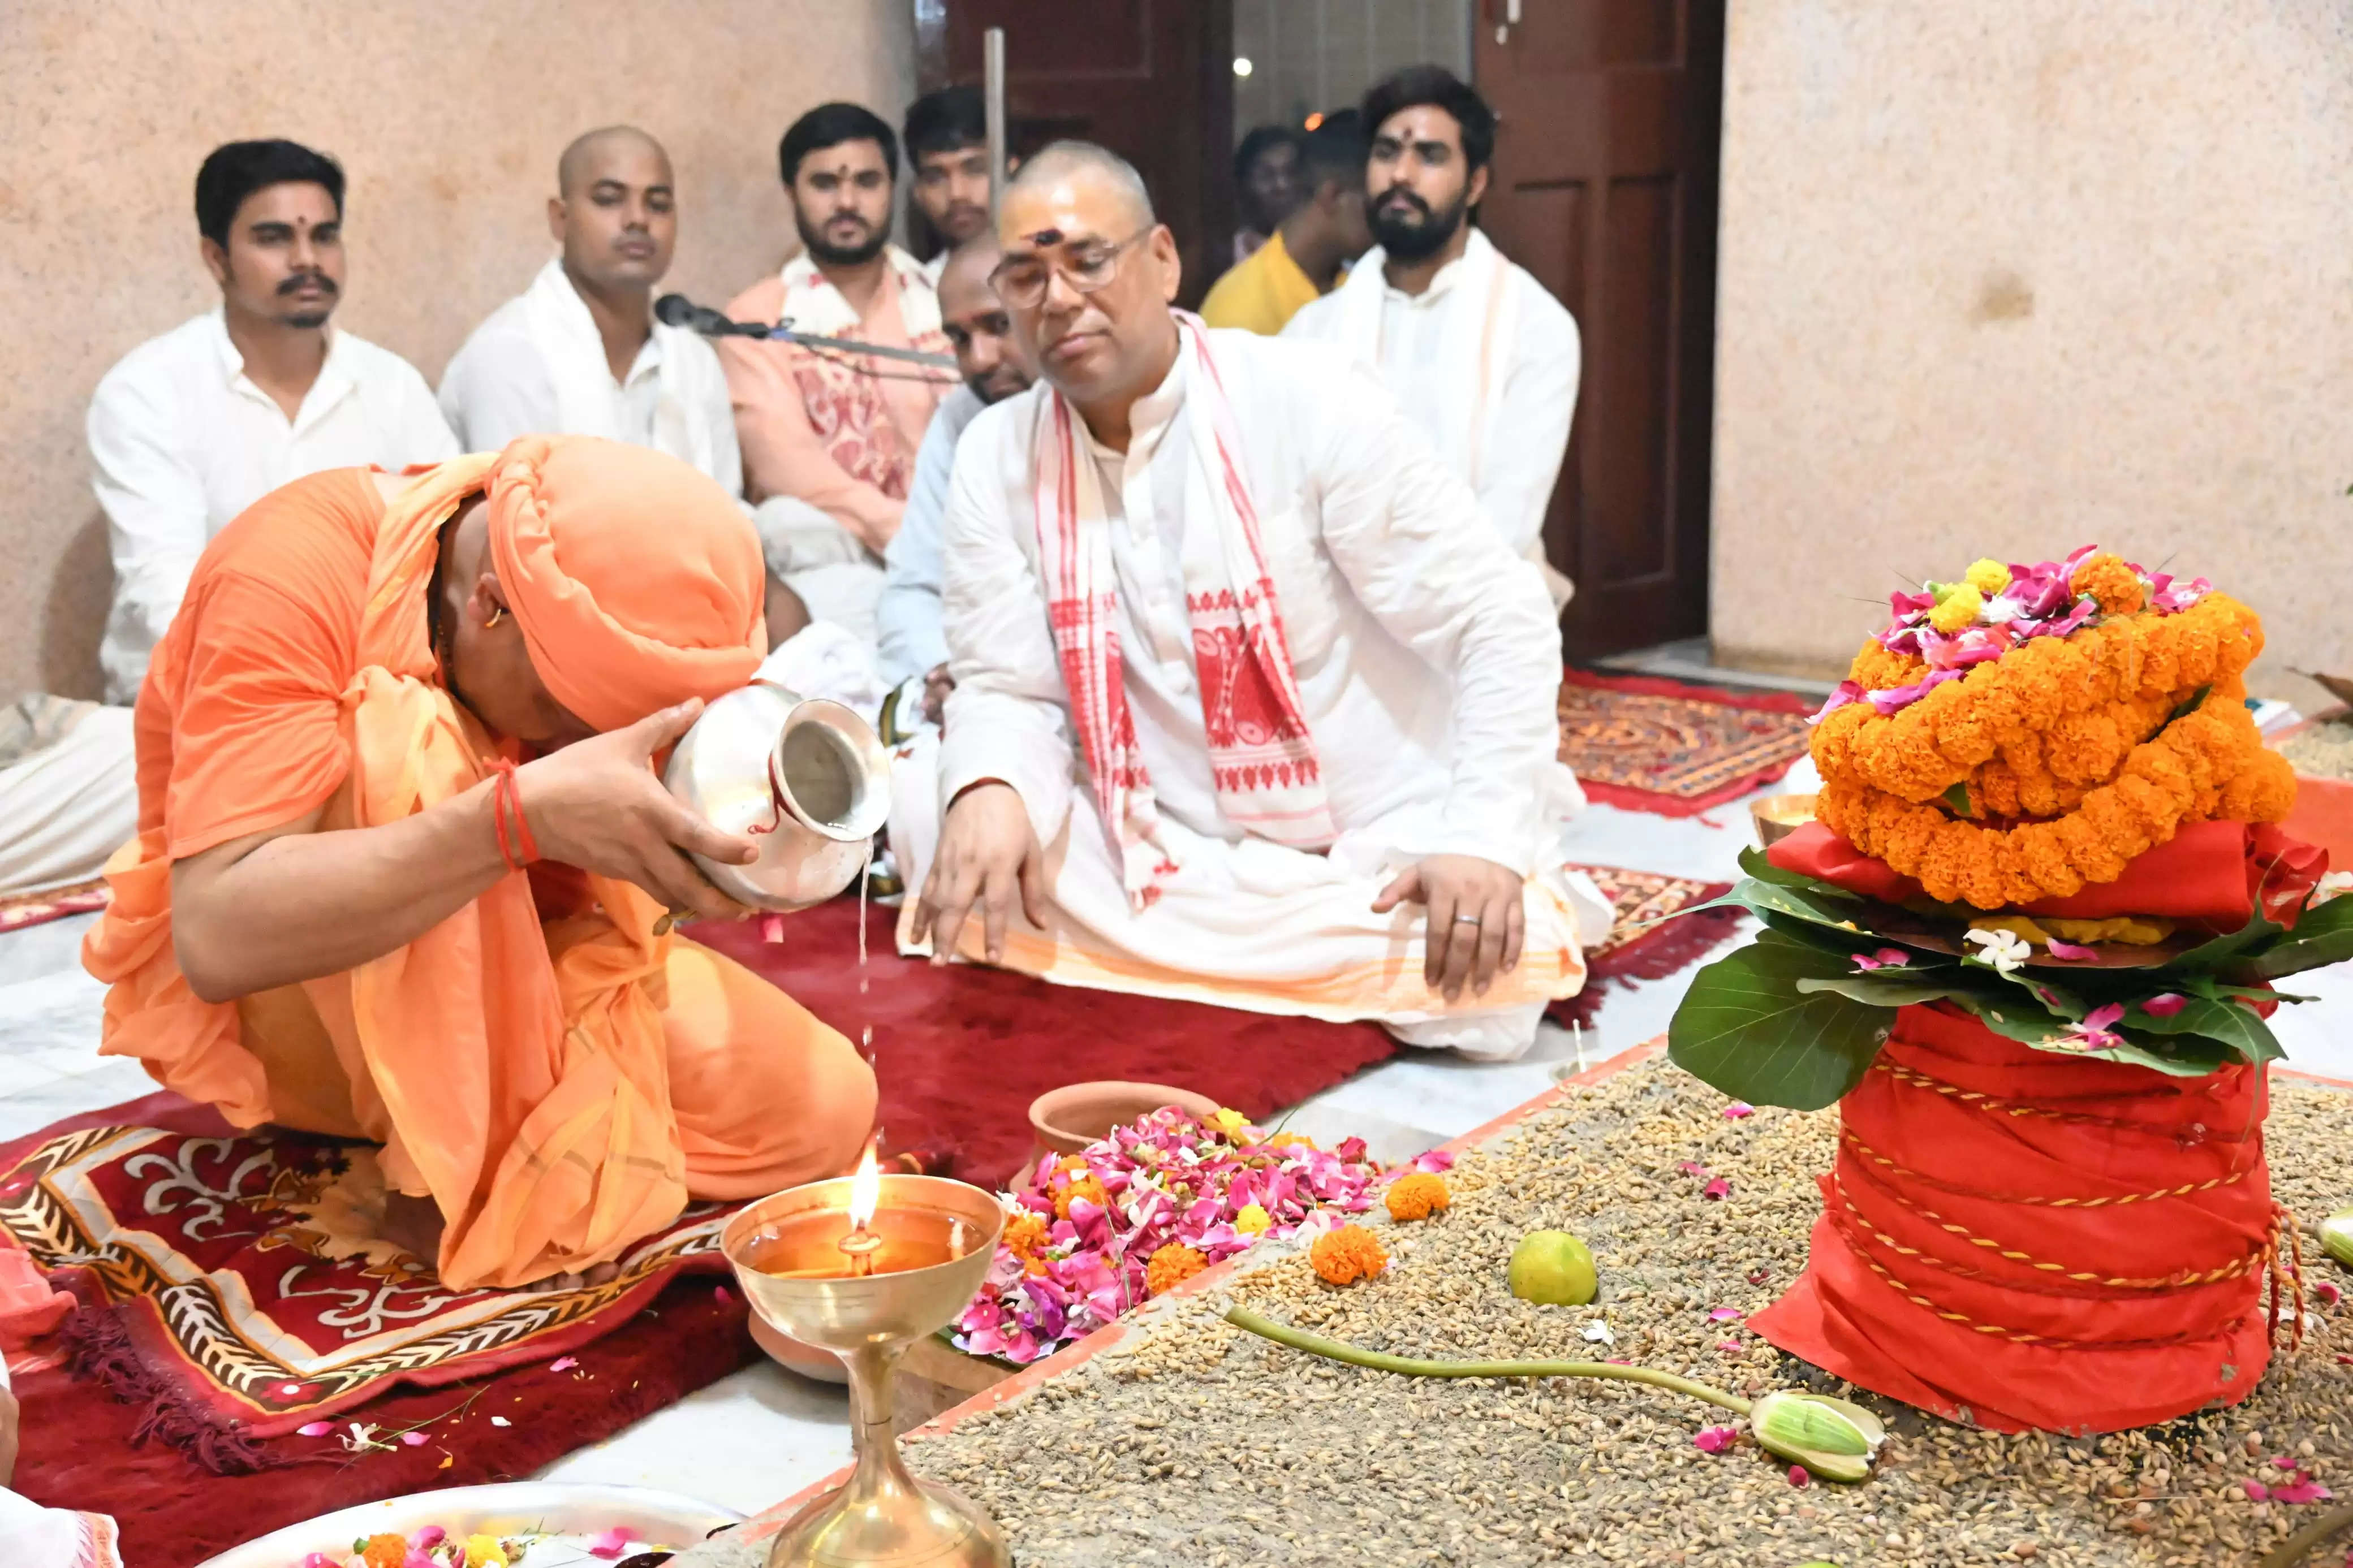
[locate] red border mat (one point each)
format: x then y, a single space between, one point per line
39 909
1647 743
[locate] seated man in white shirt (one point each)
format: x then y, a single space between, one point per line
995 367
579 351
1240 677
185 432
1481 358
190 428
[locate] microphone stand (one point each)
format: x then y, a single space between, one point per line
712 323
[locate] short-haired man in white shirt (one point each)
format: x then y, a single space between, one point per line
578 353
1473 349
190 428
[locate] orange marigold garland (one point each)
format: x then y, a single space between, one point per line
2079 716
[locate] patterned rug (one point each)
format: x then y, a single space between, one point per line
241 1291
1647 743
39 909
1643 942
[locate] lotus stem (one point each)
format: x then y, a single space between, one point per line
2297 1547
1407 1366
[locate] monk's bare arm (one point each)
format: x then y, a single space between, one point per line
292 903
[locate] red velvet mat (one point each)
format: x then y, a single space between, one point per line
83 1449
960 1052
1647 743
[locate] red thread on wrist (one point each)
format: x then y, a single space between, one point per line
517 848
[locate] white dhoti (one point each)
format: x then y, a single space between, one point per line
66 806
1259 927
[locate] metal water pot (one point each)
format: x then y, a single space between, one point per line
807 778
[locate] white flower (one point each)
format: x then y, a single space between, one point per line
2005 951
2335 885
1598 1333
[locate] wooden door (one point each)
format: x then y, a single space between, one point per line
1151 79
1604 187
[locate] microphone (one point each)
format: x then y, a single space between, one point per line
678 310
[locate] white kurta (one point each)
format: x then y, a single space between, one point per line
181 440
1427 659
1490 378
537 365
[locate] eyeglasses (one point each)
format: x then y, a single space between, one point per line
1086 265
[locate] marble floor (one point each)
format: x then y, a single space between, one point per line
756 1437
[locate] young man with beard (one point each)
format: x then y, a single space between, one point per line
1249 708
838 431
947 160
189 430
1472 348
579 353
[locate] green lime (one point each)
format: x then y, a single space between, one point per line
1553 1267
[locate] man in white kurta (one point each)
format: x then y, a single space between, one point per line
578 353
1310 767
1482 359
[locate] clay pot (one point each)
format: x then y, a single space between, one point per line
1067 1119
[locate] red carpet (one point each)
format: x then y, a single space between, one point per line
960 1052
1647 743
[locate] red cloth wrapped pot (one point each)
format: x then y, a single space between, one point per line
2022 1239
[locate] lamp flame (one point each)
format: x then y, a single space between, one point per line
865 1191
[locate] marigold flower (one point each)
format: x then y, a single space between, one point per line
385 1551
484 1552
2116 585
1417 1195
1087 1187
1024 1233
1172 1265
1345 1256
1987 576
1253 1220
1958 609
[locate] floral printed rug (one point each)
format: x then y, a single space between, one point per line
1647 743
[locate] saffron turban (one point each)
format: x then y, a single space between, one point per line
637 580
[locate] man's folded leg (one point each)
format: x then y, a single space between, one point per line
765 1094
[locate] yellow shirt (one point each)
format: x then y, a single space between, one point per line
1260 292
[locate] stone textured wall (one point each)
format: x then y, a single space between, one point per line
448 116
2005 276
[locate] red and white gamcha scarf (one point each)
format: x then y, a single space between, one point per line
1268 778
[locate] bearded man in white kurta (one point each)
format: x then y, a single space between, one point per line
1249 708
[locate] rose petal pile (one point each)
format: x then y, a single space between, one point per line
1077 1248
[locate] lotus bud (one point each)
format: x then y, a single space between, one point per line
2337 1236
1832 1438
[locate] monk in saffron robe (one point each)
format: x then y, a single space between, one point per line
383 699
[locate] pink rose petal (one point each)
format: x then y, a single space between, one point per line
2327 1295
2070 951
1691 1168
563 1363
1714 1439
431 1536
2257 1491
1738 1108
2165 1004
1723 1315
1731 1347
1717 1190
722 1294
315 1428
612 1542
318 1560
414 1440
1798 1477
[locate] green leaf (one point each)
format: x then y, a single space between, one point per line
1957 797
2214 954
1756 863
2195 701
2228 1024
1744 1028
2322 935
1871 989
